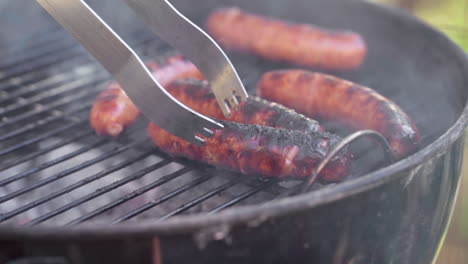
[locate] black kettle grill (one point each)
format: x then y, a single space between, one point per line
70 196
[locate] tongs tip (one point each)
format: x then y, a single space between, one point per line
194 43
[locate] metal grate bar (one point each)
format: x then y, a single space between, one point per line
24 69
52 106
51 163
34 42
100 192
69 87
39 138
9 83
45 150
38 82
244 196
295 189
131 195
163 199
43 122
36 98
74 186
50 49
30 75
67 172
201 198
42 84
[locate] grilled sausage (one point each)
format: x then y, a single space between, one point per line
254 149
198 96
113 110
323 97
176 67
301 44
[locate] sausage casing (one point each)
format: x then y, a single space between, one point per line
273 39
112 111
254 149
325 97
198 96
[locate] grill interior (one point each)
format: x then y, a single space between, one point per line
55 169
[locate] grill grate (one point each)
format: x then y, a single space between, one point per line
54 169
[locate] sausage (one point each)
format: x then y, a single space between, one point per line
176 67
325 97
113 110
261 138
198 96
301 44
254 149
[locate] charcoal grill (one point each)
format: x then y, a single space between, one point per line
70 196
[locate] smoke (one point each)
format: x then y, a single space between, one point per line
16 28
25 22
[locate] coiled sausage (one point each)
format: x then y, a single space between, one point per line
324 97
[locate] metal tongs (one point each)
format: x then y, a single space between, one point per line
136 80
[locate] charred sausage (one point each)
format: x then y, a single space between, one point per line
254 149
301 44
198 96
261 137
113 110
323 97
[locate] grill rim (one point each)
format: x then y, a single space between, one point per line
284 206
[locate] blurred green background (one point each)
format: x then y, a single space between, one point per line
451 17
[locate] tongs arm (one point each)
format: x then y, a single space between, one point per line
129 71
173 27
